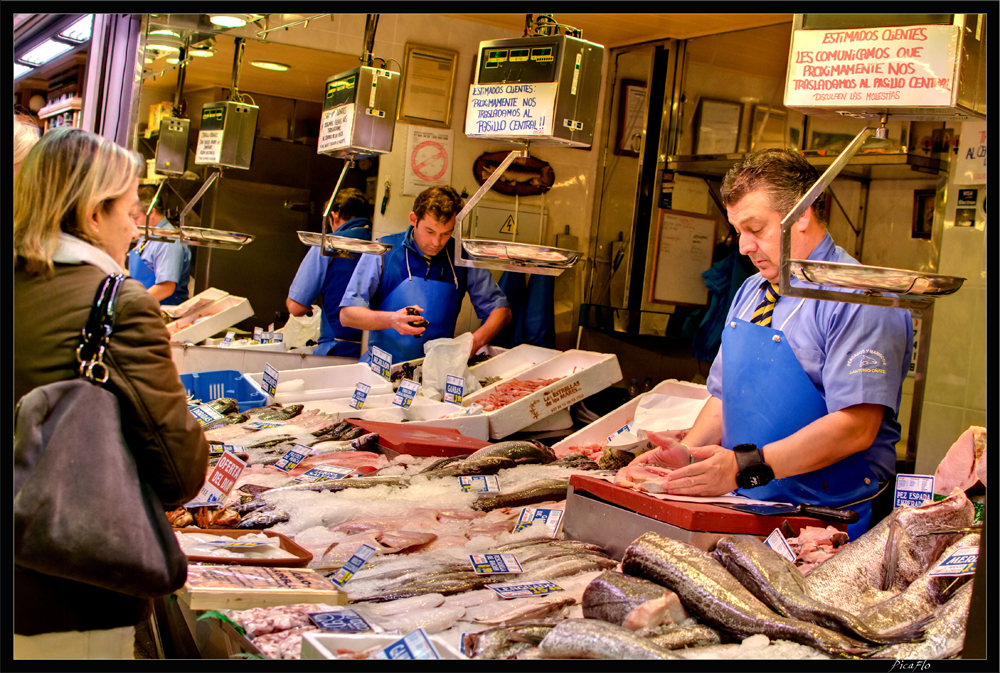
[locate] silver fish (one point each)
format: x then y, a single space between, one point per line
548 541
442 463
852 579
709 591
778 583
263 518
944 636
594 639
504 642
566 567
445 587
542 552
612 597
482 465
679 637
539 491
520 451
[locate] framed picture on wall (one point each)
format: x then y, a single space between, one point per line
768 128
428 86
631 117
923 212
717 126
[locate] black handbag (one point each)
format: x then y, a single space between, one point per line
80 511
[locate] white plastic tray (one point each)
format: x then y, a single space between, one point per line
223 313
324 383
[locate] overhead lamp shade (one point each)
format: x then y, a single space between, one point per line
45 52
270 65
229 20
164 40
201 53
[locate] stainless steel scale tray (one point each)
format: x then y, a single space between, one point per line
198 236
344 244
520 252
875 278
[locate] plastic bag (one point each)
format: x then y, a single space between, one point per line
299 330
443 357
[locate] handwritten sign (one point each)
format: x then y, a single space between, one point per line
511 110
913 489
209 148
220 483
360 395
454 388
969 167
495 564
414 645
407 391
353 565
550 518
381 362
906 66
270 378
336 128
524 589
778 543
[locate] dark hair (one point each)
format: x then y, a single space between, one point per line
784 175
442 202
349 204
146 194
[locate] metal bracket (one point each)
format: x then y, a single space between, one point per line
348 165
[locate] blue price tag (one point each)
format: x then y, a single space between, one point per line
961 562
488 483
205 414
353 565
495 564
360 395
913 489
415 645
341 621
324 474
228 341
263 425
277 337
454 388
625 428
292 458
270 380
776 541
550 518
381 362
407 391
219 449
524 589
258 334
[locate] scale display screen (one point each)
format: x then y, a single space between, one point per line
527 64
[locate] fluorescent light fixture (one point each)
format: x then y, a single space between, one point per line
20 70
79 31
45 52
202 53
229 20
173 60
270 65
164 40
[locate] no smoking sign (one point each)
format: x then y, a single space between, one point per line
429 160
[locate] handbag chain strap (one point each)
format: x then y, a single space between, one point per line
97 332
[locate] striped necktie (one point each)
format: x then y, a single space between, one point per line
762 315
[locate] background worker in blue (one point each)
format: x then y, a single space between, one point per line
328 277
418 272
163 268
804 408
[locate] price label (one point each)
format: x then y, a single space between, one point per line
263 425
244 545
625 428
414 645
524 589
258 334
341 621
961 562
550 518
778 543
454 387
219 449
353 565
360 395
292 458
407 391
381 362
488 483
228 341
495 564
324 474
220 483
270 376
205 414
277 337
913 489
265 337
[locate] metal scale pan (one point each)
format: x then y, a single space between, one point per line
342 245
199 237
529 255
875 278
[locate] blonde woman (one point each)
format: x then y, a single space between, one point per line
72 228
25 137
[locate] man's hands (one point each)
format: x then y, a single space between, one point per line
713 472
400 320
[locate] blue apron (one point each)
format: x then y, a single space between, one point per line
139 269
767 396
336 339
440 301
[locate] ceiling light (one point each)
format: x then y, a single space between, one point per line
203 53
269 65
45 52
20 70
230 20
164 40
173 60
79 31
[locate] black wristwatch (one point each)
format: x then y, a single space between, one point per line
754 471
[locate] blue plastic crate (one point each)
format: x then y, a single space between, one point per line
210 386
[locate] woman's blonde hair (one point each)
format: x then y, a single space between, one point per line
25 136
64 179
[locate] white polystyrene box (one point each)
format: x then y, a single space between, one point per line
582 373
324 383
217 316
325 645
510 363
199 301
598 431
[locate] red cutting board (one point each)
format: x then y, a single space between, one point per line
689 515
422 441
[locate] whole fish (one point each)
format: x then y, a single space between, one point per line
246 508
263 518
627 601
944 636
344 484
367 442
915 604
438 464
567 567
614 458
778 583
504 642
577 461
679 637
269 443
445 587
231 419
542 552
483 465
353 432
709 591
852 579
520 451
224 405
594 639
252 413
539 491
551 541
334 431
278 413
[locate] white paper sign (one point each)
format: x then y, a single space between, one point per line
859 67
912 490
336 125
220 483
970 164
524 589
511 110
429 154
961 562
778 543
550 518
209 148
